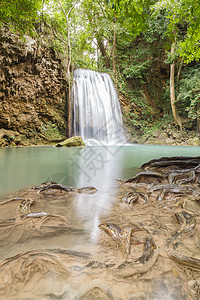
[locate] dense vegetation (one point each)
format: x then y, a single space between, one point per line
150 48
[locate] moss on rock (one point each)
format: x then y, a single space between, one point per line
75 141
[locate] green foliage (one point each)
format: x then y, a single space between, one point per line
132 15
140 33
21 14
171 57
57 45
183 25
51 132
157 28
136 70
135 63
158 125
189 93
189 48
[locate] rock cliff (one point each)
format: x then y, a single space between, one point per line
33 91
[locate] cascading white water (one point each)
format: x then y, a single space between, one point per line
96 112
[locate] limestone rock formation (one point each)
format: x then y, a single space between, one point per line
33 89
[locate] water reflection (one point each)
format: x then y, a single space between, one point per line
89 165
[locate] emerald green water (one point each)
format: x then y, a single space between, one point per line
23 167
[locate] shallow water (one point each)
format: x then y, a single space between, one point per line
22 168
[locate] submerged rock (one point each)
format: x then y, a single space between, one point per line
87 190
75 141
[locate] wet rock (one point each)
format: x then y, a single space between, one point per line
194 288
128 261
75 141
96 289
86 190
130 198
53 187
146 176
138 296
141 265
180 161
32 225
41 266
188 261
96 293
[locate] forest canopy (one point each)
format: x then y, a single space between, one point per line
139 42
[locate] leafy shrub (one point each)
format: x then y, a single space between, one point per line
188 97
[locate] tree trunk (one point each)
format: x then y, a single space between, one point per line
114 46
176 116
103 51
69 77
68 65
148 98
179 74
42 16
198 119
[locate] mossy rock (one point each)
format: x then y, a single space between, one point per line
75 141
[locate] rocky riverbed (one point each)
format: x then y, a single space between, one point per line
169 134
145 247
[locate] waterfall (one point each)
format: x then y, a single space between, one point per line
96 113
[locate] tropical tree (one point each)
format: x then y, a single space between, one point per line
183 30
21 14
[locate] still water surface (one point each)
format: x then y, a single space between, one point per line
23 167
